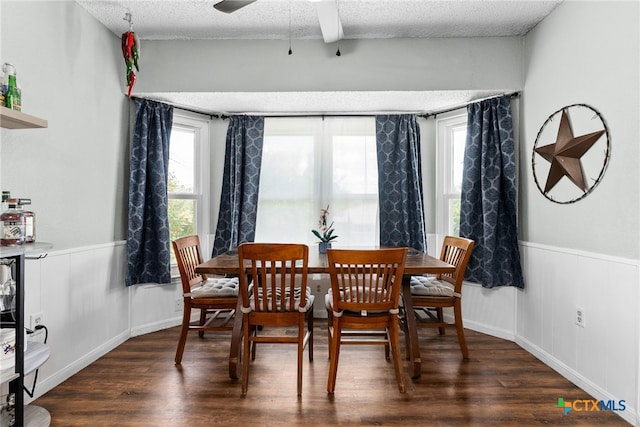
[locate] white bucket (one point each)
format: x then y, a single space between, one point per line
7 348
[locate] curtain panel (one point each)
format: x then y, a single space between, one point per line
148 256
400 182
489 195
240 183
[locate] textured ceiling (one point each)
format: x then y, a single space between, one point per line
298 19
361 19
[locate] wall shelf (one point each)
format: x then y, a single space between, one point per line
12 119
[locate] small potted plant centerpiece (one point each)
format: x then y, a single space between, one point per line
324 231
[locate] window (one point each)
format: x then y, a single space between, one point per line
452 135
188 182
309 163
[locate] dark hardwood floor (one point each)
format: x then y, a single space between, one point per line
137 384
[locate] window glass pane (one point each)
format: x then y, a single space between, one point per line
452 135
182 161
286 188
454 217
287 170
182 219
285 221
309 163
355 221
355 167
354 199
458 144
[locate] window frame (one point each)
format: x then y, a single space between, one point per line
445 128
201 179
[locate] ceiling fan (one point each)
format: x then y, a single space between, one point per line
229 6
328 15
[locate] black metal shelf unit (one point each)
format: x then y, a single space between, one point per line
15 319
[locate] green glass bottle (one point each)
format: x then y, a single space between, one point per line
12 97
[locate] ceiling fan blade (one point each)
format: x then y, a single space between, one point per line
329 18
229 6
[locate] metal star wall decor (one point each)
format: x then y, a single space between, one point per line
565 156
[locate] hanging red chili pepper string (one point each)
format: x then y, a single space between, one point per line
131 52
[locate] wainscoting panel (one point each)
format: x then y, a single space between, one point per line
84 305
490 311
602 356
156 307
89 311
87 308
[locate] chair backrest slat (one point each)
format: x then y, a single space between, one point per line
456 251
366 279
276 271
188 257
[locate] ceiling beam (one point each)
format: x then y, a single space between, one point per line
329 18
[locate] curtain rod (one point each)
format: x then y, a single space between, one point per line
448 110
331 114
211 116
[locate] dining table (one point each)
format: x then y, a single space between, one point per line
417 263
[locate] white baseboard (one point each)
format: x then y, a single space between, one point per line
629 414
488 330
156 326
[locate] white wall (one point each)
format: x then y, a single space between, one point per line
584 254
376 65
586 52
75 171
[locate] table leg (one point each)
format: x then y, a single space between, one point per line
412 329
235 367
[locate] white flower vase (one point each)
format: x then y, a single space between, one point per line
323 246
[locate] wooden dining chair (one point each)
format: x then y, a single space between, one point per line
431 294
364 298
216 298
273 286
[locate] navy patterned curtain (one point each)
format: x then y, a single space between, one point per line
400 182
239 199
489 195
148 231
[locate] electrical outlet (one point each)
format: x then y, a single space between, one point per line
36 319
580 317
318 289
178 306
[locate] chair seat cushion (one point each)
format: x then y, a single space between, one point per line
310 299
224 287
430 286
